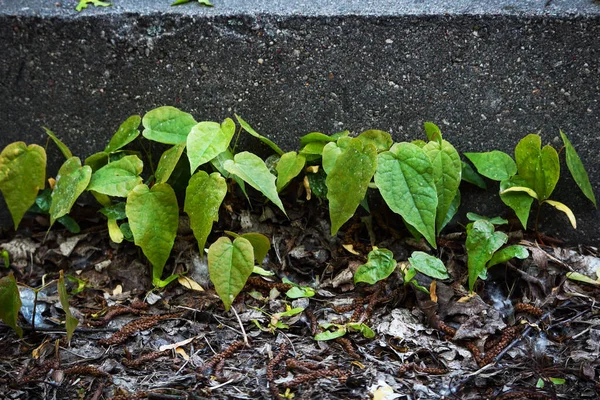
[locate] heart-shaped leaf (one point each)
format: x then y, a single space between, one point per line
428 265
167 125
254 172
257 135
168 162
537 166
332 151
118 178
380 139
289 166
22 176
495 164
260 243
433 132
380 264
11 302
447 169
482 242
348 180
404 177
207 140
71 181
70 321
229 265
577 170
203 197
153 219
127 133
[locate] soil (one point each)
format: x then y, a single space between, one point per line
527 333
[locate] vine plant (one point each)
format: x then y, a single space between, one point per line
418 180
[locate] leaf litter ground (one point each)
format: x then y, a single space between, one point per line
530 333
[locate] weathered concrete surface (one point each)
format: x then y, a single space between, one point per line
488 72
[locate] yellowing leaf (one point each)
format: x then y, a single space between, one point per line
562 207
71 181
189 283
127 133
524 189
207 140
22 176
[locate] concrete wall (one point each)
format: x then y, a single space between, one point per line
487 73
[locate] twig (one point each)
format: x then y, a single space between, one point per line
241 326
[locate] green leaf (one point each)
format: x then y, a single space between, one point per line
71 322
380 139
218 163
537 166
179 2
97 3
167 125
127 133
495 164
69 223
495 220
115 211
298 292
229 265
348 181
168 162
447 169
203 197
62 147
71 181
520 202
558 381
11 302
577 170
254 172
433 132
469 175
508 253
260 243
97 160
576 276
452 210
312 151
262 272
321 137
22 175
404 177
118 178
126 231
380 264
562 207
428 265
153 219
330 335
43 201
482 242
362 328
207 140
289 166
317 185
257 135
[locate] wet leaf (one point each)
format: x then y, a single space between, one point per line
404 177
203 197
168 162
433 132
523 189
332 151
153 216
495 164
115 211
380 139
257 135
70 321
229 265
61 146
428 265
562 207
167 125
22 176
508 253
118 178
127 133
577 170
520 202
289 166
380 264
469 175
447 169
71 181
537 166
207 140
11 302
348 180
254 172
482 242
